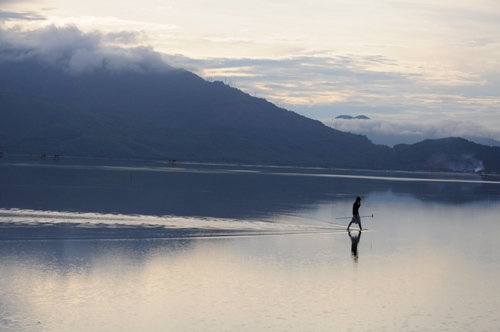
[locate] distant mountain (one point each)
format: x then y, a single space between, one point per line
393 138
175 114
348 117
447 154
483 140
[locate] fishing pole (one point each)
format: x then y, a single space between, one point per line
359 216
309 218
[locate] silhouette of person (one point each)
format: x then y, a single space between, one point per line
356 219
354 244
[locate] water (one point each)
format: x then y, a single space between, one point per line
135 246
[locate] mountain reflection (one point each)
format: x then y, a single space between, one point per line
207 191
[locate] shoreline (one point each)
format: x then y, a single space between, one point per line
104 161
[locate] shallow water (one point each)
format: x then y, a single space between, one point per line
153 247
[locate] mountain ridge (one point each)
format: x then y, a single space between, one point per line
177 114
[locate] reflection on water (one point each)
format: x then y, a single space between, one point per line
354 243
89 248
208 191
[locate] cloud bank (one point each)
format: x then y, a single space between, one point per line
397 132
78 52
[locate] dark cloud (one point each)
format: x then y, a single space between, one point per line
26 16
78 52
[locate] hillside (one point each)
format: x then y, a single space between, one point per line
447 154
174 114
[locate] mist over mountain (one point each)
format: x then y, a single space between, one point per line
81 99
393 132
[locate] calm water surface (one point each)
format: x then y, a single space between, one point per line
93 246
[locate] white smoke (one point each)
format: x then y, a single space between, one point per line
466 164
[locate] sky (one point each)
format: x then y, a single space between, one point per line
417 68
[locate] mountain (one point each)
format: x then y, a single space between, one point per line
447 154
349 117
483 140
174 114
394 138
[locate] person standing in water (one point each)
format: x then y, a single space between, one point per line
356 219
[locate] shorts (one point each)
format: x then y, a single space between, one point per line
356 220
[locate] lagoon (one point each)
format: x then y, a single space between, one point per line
109 245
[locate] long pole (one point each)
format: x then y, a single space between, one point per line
304 217
359 216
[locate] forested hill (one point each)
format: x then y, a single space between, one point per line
174 114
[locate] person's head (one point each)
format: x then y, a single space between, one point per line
358 199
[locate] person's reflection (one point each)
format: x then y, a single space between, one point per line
354 244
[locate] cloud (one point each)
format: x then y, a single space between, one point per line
6 2
77 52
396 132
372 81
282 65
20 16
304 79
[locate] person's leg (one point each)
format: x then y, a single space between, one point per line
359 223
352 220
